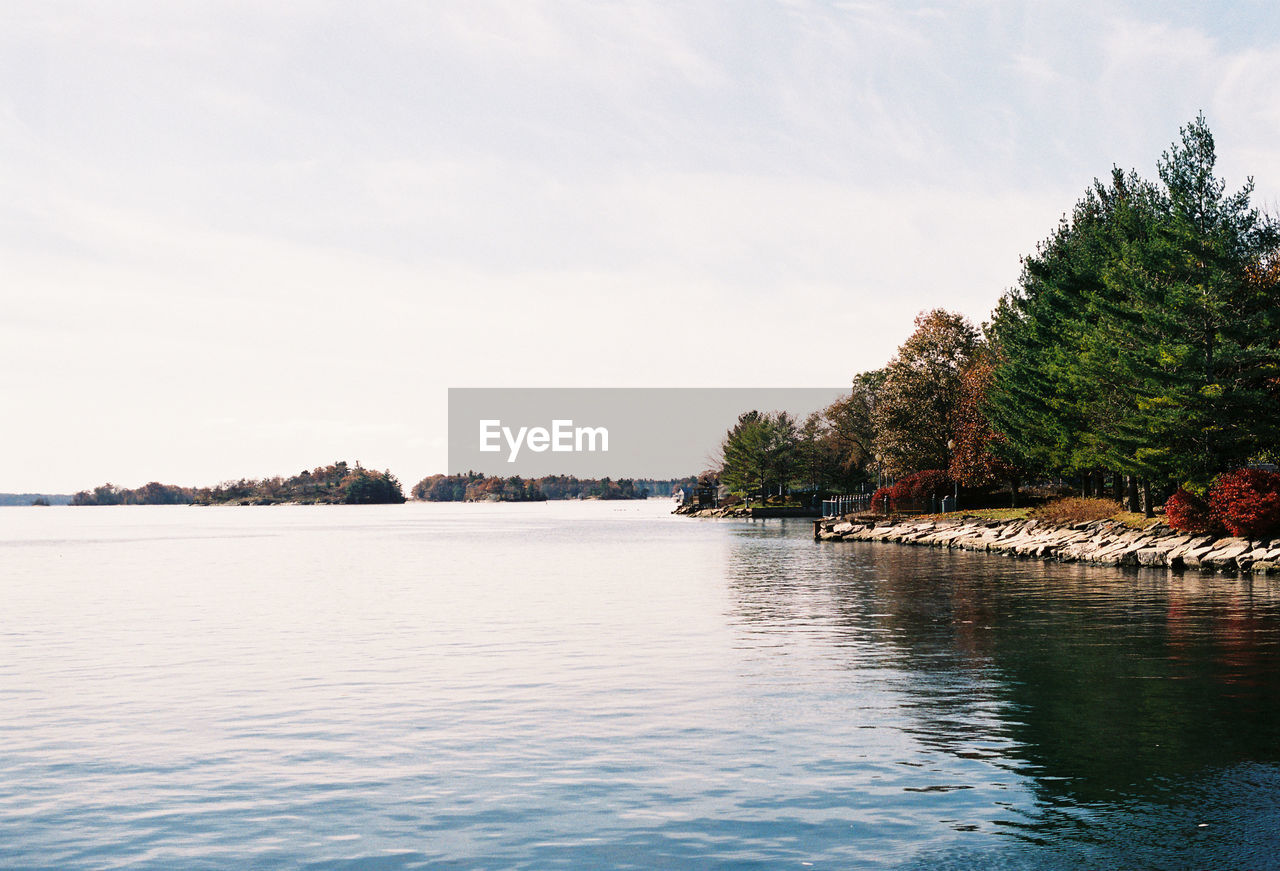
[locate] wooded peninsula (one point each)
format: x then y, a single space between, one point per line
1136 360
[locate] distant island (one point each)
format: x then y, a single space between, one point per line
8 499
153 493
477 487
338 484
343 484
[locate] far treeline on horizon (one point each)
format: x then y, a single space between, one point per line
1137 357
343 484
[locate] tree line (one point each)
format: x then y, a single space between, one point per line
477 487
335 484
341 483
153 493
1138 353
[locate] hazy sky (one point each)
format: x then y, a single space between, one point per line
244 238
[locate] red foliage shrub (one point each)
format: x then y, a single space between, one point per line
922 485
1247 501
878 497
913 490
1187 512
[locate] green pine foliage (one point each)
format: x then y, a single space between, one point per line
1142 337
760 453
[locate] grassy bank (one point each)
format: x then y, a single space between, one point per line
1131 519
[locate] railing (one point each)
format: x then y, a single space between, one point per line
840 505
927 505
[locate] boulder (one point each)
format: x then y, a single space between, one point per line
1152 556
1225 553
1191 557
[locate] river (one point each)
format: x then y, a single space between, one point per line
603 685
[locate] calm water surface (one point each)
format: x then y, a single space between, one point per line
602 685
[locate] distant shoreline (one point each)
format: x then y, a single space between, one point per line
29 500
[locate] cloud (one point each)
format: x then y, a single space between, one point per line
310 220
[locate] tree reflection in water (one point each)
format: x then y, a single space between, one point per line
1140 708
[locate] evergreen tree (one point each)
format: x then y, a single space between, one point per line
1212 321
1142 336
759 453
1039 399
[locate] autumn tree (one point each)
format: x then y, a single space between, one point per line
852 423
914 415
980 456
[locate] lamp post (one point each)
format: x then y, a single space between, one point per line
955 493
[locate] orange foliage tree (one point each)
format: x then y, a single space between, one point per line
980 456
914 414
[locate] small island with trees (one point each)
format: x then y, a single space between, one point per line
336 484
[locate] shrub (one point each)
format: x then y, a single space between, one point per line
1075 509
1186 511
921 485
878 497
1246 501
916 489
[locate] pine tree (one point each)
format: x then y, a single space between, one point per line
1038 398
1142 338
1189 320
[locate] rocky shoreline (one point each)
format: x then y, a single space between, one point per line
1102 542
691 510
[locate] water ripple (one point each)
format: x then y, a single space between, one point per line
573 686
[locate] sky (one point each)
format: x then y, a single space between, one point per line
241 239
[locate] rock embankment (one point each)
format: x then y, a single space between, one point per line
691 510
1102 542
